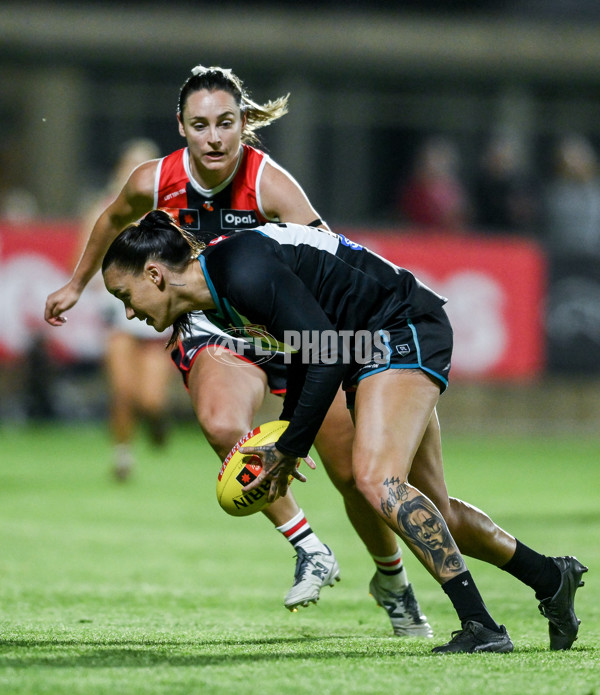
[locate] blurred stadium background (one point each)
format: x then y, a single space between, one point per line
370 83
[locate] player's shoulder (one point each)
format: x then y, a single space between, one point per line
273 172
239 262
142 179
275 179
282 196
237 244
292 233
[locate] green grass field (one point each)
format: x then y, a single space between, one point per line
148 587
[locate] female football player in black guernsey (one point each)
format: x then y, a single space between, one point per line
348 317
218 181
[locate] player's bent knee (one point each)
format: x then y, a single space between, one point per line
223 435
341 477
371 479
347 487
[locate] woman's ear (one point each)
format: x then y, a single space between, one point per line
180 124
154 273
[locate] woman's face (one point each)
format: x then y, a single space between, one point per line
212 124
142 296
427 528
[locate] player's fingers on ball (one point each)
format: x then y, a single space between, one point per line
298 476
282 485
256 450
255 483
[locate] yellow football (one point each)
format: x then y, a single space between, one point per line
238 470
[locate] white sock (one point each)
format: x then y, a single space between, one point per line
391 571
123 456
123 461
299 533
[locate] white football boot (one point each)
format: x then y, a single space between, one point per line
313 571
402 608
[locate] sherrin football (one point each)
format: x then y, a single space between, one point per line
238 470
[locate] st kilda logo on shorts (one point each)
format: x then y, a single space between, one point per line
238 219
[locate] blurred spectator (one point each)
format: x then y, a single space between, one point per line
505 198
137 367
39 380
434 196
572 198
17 202
18 205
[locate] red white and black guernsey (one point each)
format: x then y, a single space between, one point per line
294 280
233 204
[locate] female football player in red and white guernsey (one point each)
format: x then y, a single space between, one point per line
218 182
348 317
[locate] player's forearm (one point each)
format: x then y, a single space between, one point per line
104 232
319 389
86 268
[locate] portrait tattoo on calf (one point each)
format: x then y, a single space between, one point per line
424 527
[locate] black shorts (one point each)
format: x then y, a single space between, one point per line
424 342
273 366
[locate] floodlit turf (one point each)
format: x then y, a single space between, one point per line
148 587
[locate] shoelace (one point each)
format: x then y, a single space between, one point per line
408 602
457 635
303 559
411 605
301 562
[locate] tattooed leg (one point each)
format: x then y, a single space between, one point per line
417 520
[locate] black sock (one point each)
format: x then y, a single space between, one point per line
537 571
467 601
